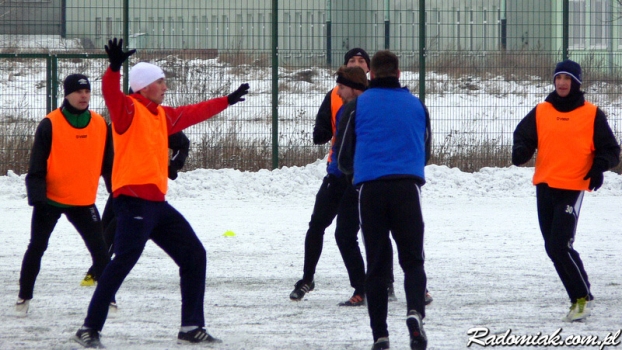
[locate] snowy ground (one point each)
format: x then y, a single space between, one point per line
486 266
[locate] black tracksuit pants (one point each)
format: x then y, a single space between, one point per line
109 224
139 220
336 197
44 218
392 206
558 214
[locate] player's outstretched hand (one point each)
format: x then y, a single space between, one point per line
236 96
116 56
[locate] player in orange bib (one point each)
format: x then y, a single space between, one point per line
140 127
68 156
575 147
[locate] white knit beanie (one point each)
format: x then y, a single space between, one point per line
143 74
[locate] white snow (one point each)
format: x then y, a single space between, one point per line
486 266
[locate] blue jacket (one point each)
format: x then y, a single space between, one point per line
388 135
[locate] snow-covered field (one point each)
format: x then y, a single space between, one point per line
486 266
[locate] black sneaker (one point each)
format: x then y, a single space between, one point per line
418 339
381 344
356 300
198 335
300 289
88 338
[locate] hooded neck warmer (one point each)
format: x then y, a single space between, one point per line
574 100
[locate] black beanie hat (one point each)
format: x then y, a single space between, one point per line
75 82
357 51
571 68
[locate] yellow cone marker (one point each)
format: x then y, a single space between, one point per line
229 233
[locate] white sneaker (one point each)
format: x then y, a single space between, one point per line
579 311
113 310
21 307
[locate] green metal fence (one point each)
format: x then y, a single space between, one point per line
479 65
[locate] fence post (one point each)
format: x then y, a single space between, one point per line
275 84
48 84
329 41
610 44
387 25
565 31
54 76
422 48
504 26
63 19
126 42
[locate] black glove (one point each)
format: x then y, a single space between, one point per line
596 174
116 56
172 173
236 96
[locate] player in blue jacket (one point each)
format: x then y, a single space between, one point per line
385 146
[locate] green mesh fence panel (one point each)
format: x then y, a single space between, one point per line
486 64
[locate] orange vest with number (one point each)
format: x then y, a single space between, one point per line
565 146
75 161
141 152
335 103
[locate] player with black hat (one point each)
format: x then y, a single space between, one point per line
328 207
71 151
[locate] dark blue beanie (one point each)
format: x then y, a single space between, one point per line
571 68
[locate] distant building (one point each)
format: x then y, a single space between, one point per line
32 17
309 30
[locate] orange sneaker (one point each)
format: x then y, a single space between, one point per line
356 300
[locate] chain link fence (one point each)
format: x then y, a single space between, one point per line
479 65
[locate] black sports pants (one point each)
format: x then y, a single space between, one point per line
392 206
558 214
337 198
44 218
